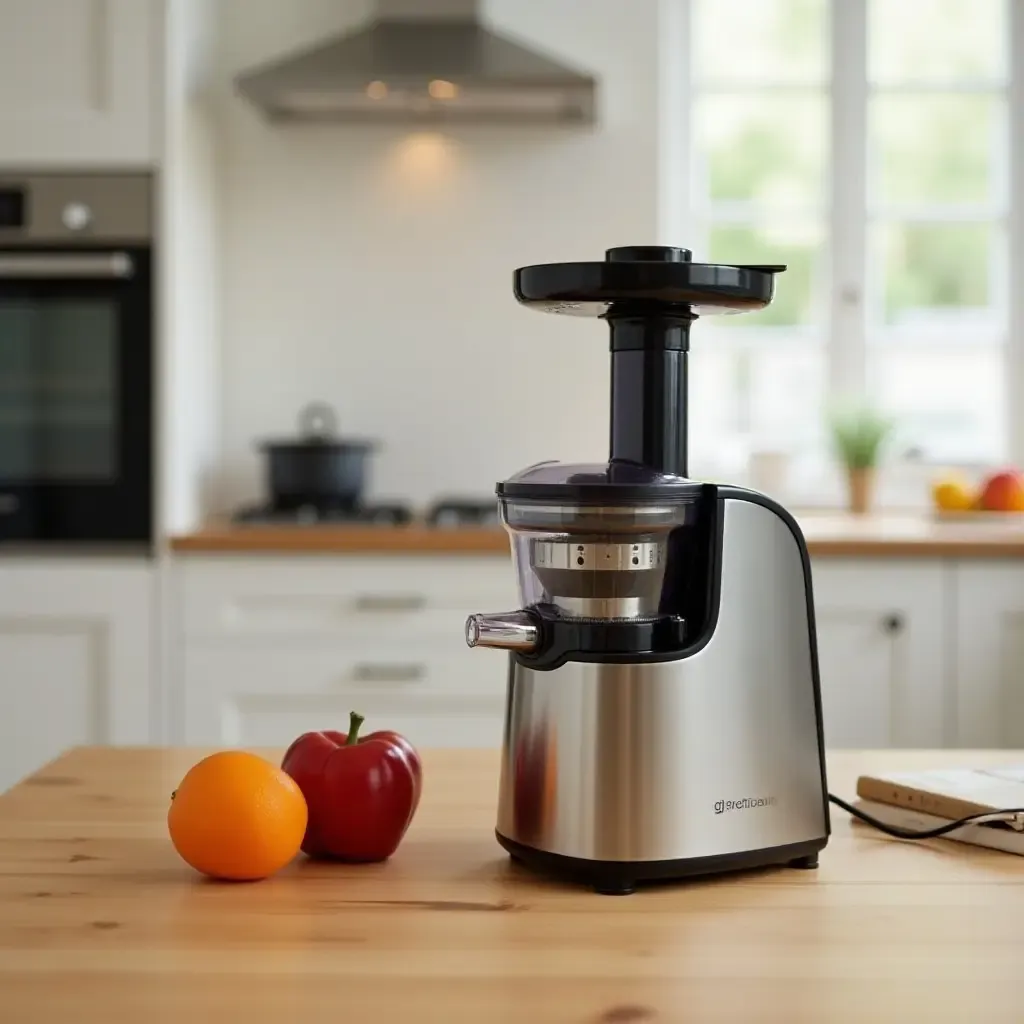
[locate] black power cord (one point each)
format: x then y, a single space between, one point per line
1007 816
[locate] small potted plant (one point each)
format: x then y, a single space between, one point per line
859 437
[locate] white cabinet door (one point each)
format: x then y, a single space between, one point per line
276 646
268 695
990 655
882 648
79 81
74 659
231 599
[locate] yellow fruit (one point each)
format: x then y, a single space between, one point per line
953 495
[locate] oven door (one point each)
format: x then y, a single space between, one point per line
76 350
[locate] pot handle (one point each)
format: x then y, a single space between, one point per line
318 420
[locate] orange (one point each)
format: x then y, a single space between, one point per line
237 816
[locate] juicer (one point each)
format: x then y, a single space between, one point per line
663 709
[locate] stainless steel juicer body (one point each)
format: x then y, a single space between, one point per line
663 714
622 772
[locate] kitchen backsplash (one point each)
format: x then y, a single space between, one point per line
372 268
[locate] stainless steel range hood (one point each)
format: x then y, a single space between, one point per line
421 61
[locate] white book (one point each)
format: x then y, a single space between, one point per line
994 836
951 793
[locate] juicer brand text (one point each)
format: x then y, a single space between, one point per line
744 804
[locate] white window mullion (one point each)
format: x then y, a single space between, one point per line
847 357
1014 378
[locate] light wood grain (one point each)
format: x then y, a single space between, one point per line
827 535
100 921
384 540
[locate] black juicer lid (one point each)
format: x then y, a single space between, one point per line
598 484
649 296
642 274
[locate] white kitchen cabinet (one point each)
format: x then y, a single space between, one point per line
435 695
75 658
990 654
913 652
79 82
883 631
273 647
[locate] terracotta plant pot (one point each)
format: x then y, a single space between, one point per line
861 485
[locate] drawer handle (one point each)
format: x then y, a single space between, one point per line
390 602
382 673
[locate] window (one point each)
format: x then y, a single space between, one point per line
865 144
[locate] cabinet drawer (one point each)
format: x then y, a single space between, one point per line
335 669
342 597
252 698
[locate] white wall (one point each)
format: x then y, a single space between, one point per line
189 335
372 267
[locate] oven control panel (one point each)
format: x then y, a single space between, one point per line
75 209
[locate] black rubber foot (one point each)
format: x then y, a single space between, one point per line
808 863
620 878
615 887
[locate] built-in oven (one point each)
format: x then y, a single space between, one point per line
76 358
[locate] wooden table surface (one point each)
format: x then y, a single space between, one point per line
100 921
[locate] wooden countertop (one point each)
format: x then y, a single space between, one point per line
100 921
907 536
415 539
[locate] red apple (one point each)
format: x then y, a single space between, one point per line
1003 492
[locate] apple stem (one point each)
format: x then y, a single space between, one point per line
355 720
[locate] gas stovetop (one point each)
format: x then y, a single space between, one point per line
446 513
463 512
320 515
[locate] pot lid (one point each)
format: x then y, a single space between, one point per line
318 427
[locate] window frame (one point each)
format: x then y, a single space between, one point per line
848 211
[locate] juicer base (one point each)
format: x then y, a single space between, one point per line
621 878
807 863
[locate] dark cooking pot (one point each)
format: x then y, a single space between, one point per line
317 468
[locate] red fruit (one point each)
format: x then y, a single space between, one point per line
362 792
1003 492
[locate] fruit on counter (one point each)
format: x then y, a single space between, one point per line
237 816
1003 492
362 791
953 494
